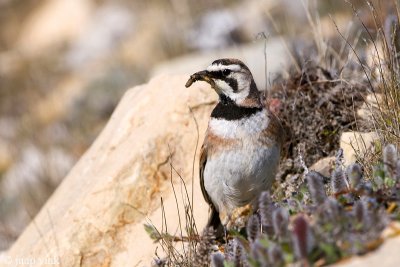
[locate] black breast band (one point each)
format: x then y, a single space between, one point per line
228 110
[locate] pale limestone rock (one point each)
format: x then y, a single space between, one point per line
387 255
357 144
370 106
52 23
324 166
95 216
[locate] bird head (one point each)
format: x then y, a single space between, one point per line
232 80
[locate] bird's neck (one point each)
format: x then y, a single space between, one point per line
253 99
227 109
249 97
225 100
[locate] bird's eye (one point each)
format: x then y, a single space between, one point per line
226 72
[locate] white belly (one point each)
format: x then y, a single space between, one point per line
235 178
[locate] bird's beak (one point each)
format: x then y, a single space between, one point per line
200 76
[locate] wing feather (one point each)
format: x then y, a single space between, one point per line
203 162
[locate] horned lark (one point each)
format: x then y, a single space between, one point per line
241 149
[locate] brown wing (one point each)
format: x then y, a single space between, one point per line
203 162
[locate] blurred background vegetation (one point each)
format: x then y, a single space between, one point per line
65 64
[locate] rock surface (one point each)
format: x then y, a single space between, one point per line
96 216
357 144
370 107
385 256
324 166
52 23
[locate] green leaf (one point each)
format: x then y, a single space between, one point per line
332 254
152 232
389 182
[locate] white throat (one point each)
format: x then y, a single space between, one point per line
225 89
240 128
